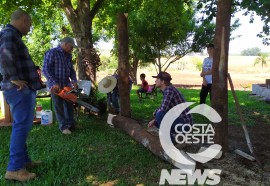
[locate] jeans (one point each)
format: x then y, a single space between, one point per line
113 100
22 104
204 92
64 112
160 115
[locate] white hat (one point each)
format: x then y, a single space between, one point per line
107 84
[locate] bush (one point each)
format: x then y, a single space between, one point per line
198 63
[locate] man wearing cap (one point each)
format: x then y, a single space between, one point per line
59 72
171 98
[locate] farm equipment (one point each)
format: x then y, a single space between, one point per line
253 156
73 95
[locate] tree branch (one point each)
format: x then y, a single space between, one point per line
96 7
166 61
68 8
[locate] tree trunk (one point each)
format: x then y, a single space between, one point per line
159 62
139 134
133 70
220 71
123 65
80 20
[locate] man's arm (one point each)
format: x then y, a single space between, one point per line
167 98
209 72
203 73
48 66
9 57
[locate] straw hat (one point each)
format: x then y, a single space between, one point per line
107 84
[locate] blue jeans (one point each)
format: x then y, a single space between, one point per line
64 112
160 115
22 104
113 99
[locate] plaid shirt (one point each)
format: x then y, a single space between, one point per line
171 98
58 68
15 60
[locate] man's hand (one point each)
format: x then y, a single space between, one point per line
55 89
202 74
20 83
151 123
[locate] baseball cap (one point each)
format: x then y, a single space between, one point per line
69 40
163 76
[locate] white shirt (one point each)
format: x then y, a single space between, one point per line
207 65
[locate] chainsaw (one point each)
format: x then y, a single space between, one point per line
70 94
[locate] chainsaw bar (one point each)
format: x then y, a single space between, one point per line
87 105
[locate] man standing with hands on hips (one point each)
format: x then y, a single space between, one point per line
59 71
20 82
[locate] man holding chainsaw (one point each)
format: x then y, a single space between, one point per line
59 72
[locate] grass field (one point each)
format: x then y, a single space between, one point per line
100 155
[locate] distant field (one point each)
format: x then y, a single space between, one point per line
241 68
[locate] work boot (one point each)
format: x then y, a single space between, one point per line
32 164
20 175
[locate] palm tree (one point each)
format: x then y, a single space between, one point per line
262 59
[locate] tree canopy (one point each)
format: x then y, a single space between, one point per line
156 28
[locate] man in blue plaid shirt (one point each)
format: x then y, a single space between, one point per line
59 71
171 98
20 82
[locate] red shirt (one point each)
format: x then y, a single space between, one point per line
145 85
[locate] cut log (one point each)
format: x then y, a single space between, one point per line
138 133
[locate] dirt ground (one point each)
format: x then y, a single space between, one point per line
192 79
237 170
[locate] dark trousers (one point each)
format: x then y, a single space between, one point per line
22 104
64 112
204 92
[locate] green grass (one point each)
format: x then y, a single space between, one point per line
98 154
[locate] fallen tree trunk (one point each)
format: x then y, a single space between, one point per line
138 133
